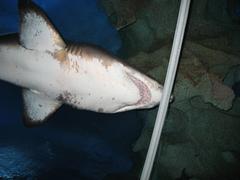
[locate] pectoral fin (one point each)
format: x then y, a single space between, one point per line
37 108
36 30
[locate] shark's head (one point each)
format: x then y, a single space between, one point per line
143 91
108 85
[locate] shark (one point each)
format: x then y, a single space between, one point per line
53 72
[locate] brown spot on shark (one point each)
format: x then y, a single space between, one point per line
67 97
89 52
61 56
74 49
104 58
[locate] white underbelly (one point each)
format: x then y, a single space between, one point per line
30 69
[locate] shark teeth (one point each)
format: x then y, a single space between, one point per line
144 91
145 95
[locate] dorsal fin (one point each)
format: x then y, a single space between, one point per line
36 30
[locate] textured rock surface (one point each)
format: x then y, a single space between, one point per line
201 140
198 74
156 19
121 13
199 136
233 76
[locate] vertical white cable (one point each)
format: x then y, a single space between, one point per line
168 85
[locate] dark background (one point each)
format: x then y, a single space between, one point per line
74 144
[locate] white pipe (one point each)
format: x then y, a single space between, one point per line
168 85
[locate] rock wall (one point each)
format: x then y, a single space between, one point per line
200 138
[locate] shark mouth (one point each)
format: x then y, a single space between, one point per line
145 95
144 91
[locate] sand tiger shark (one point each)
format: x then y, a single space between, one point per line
52 72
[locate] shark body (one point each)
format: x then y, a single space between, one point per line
53 73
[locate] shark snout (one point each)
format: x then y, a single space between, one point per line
152 91
149 91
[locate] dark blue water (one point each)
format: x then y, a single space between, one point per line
74 144
78 21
